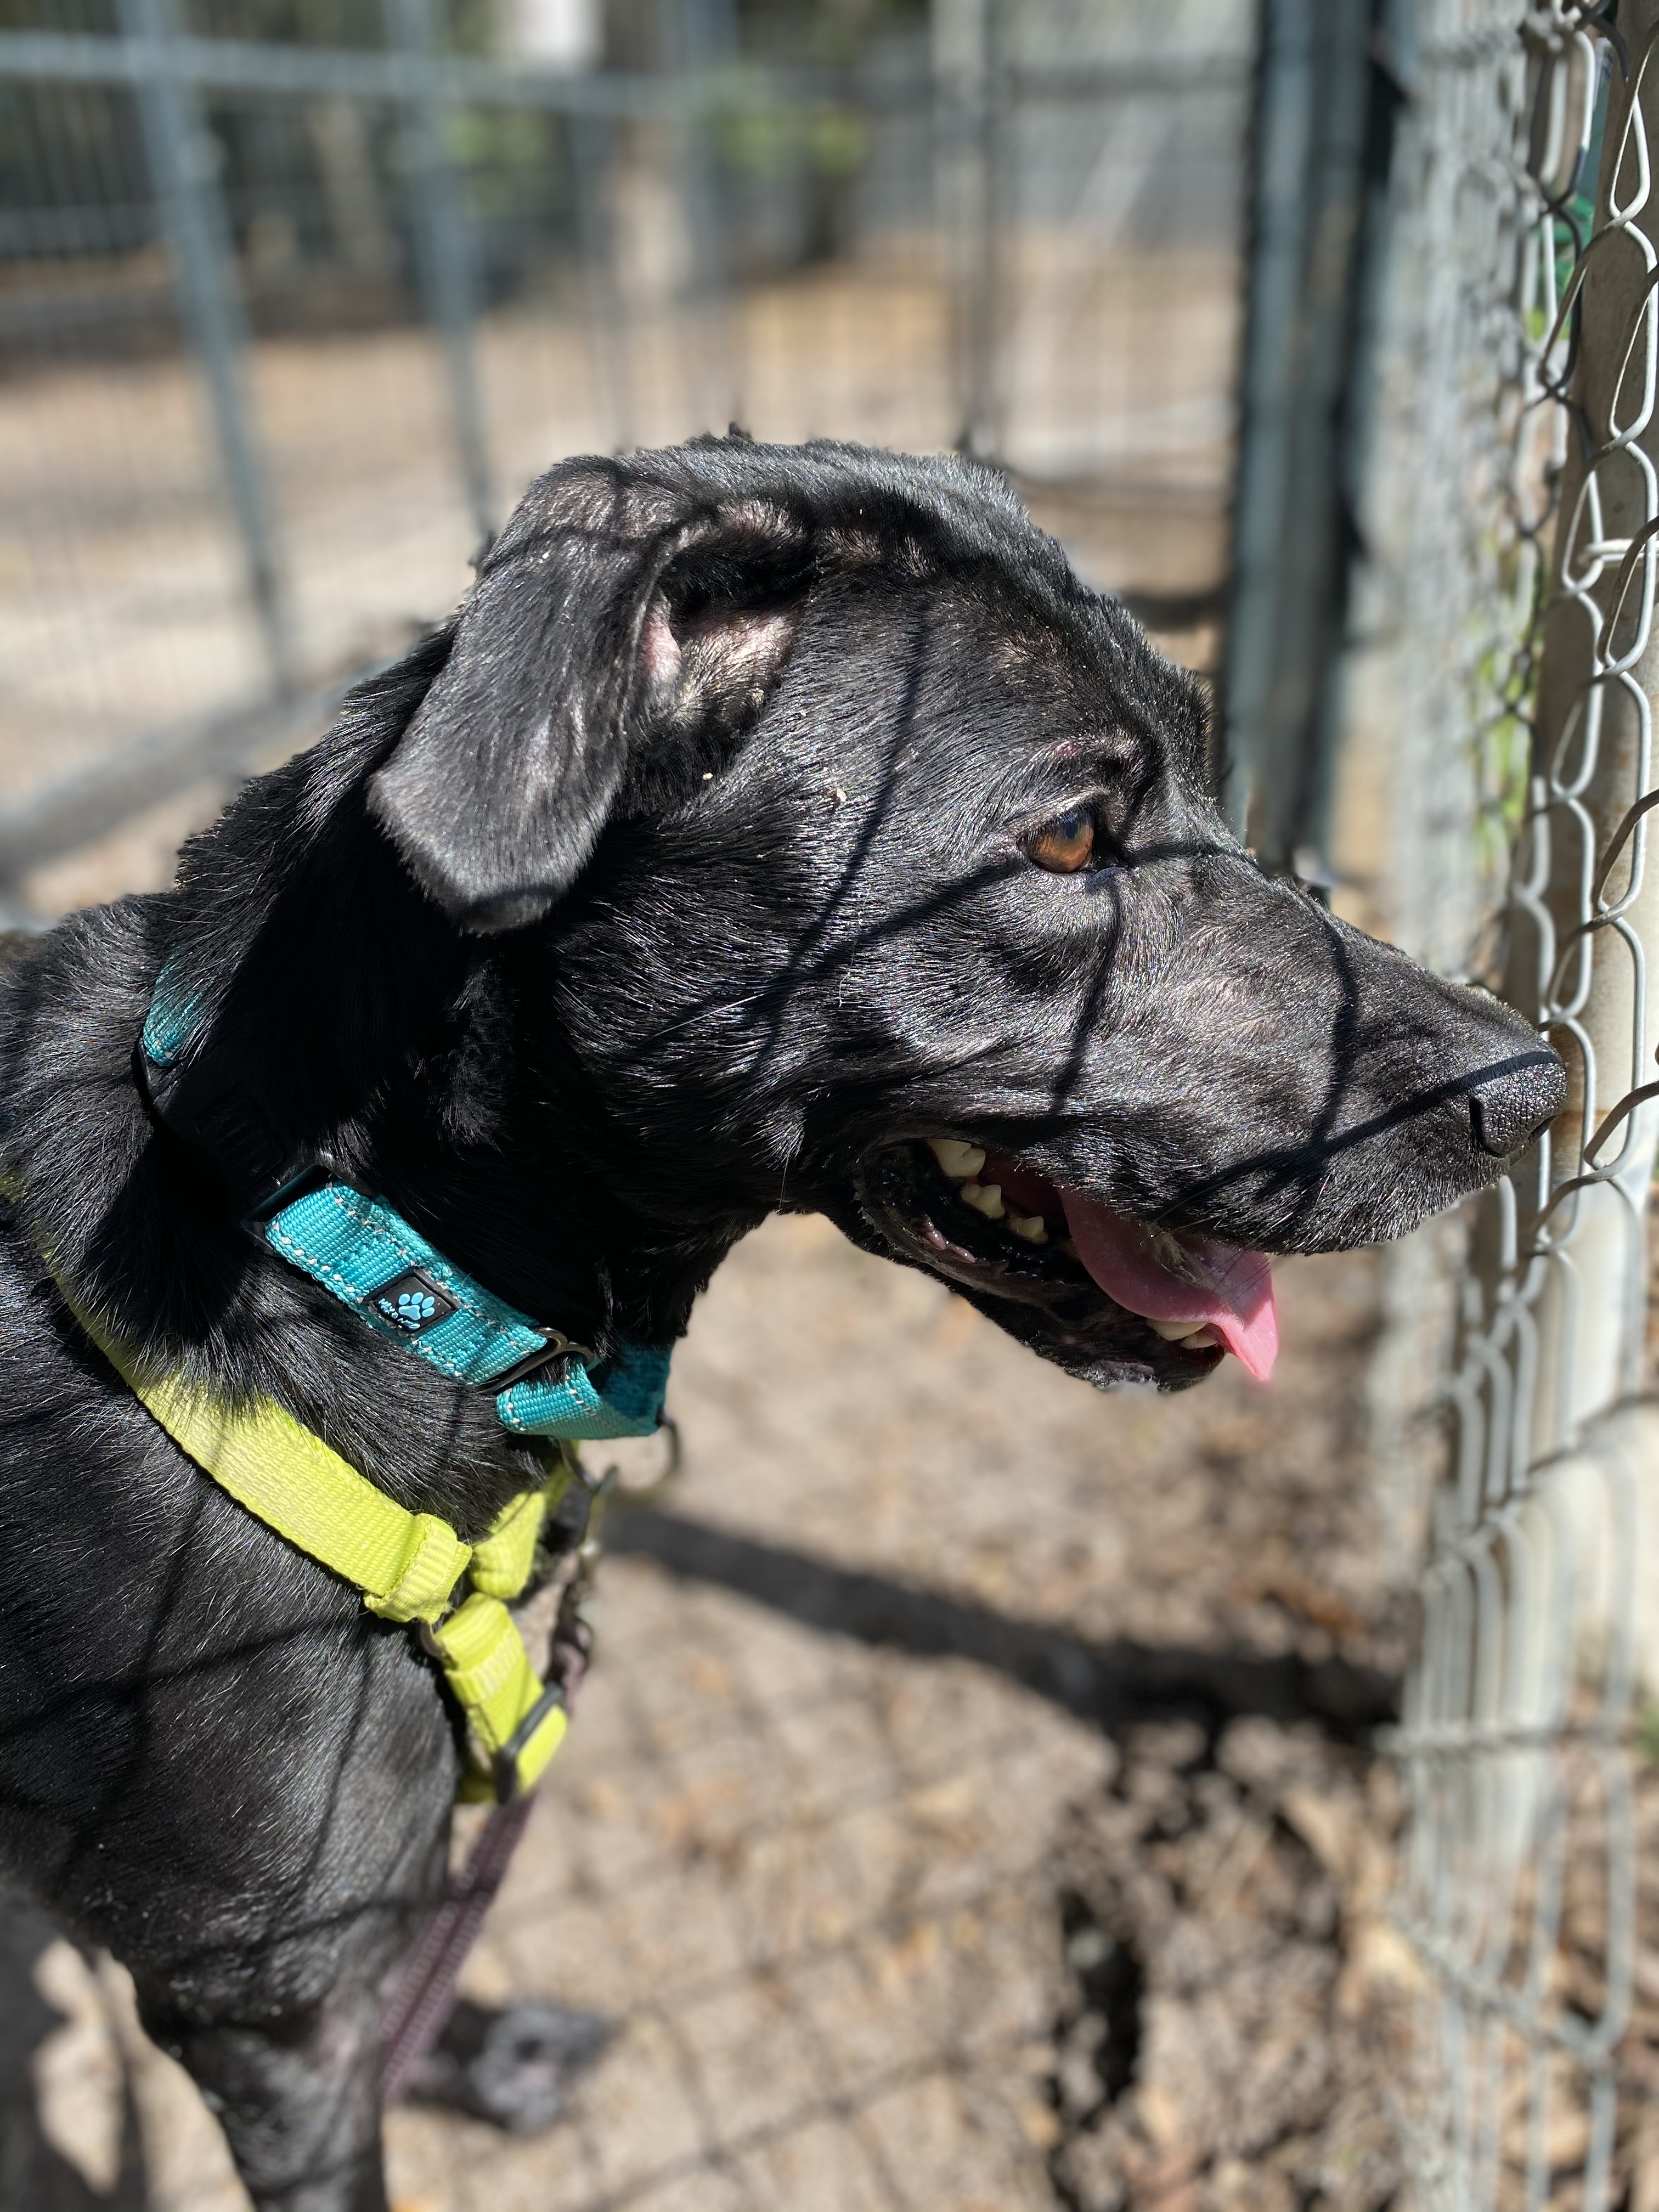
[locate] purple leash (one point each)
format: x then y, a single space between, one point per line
424 1996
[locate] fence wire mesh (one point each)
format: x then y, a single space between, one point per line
1521 357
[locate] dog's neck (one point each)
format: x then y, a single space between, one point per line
505 1160
140 1229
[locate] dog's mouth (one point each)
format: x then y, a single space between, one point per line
1128 1290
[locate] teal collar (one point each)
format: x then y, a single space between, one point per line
373 1260
363 1252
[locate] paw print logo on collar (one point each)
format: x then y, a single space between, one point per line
410 1303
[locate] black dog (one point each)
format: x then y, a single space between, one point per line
773 827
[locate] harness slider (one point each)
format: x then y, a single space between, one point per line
511 1782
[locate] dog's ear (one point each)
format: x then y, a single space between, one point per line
608 605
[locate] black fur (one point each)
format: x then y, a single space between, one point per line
681 878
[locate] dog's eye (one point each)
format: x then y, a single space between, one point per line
1064 845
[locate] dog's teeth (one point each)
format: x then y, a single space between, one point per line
961 1163
1179 1332
986 1197
1065 1244
1032 1226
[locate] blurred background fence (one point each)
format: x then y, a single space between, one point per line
1323 330
295 296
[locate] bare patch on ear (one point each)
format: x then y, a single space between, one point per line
729 658
739 642
727 617
607 599
659 649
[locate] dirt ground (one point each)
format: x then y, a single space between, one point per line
970 1809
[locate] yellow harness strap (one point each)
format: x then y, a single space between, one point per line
407 1565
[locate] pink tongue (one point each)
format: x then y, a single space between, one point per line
1234 1292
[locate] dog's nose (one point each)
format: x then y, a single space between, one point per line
1510 1108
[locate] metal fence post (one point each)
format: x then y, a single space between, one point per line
966 127
593 137
705 39
1316 142
446 260
184 173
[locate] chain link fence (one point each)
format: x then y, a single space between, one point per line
1502 683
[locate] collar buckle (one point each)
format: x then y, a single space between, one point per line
555 1344
300 1172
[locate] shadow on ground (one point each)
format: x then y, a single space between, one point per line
1115 1684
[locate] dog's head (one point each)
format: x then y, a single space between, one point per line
851 855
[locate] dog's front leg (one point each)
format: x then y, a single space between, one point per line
299 2099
